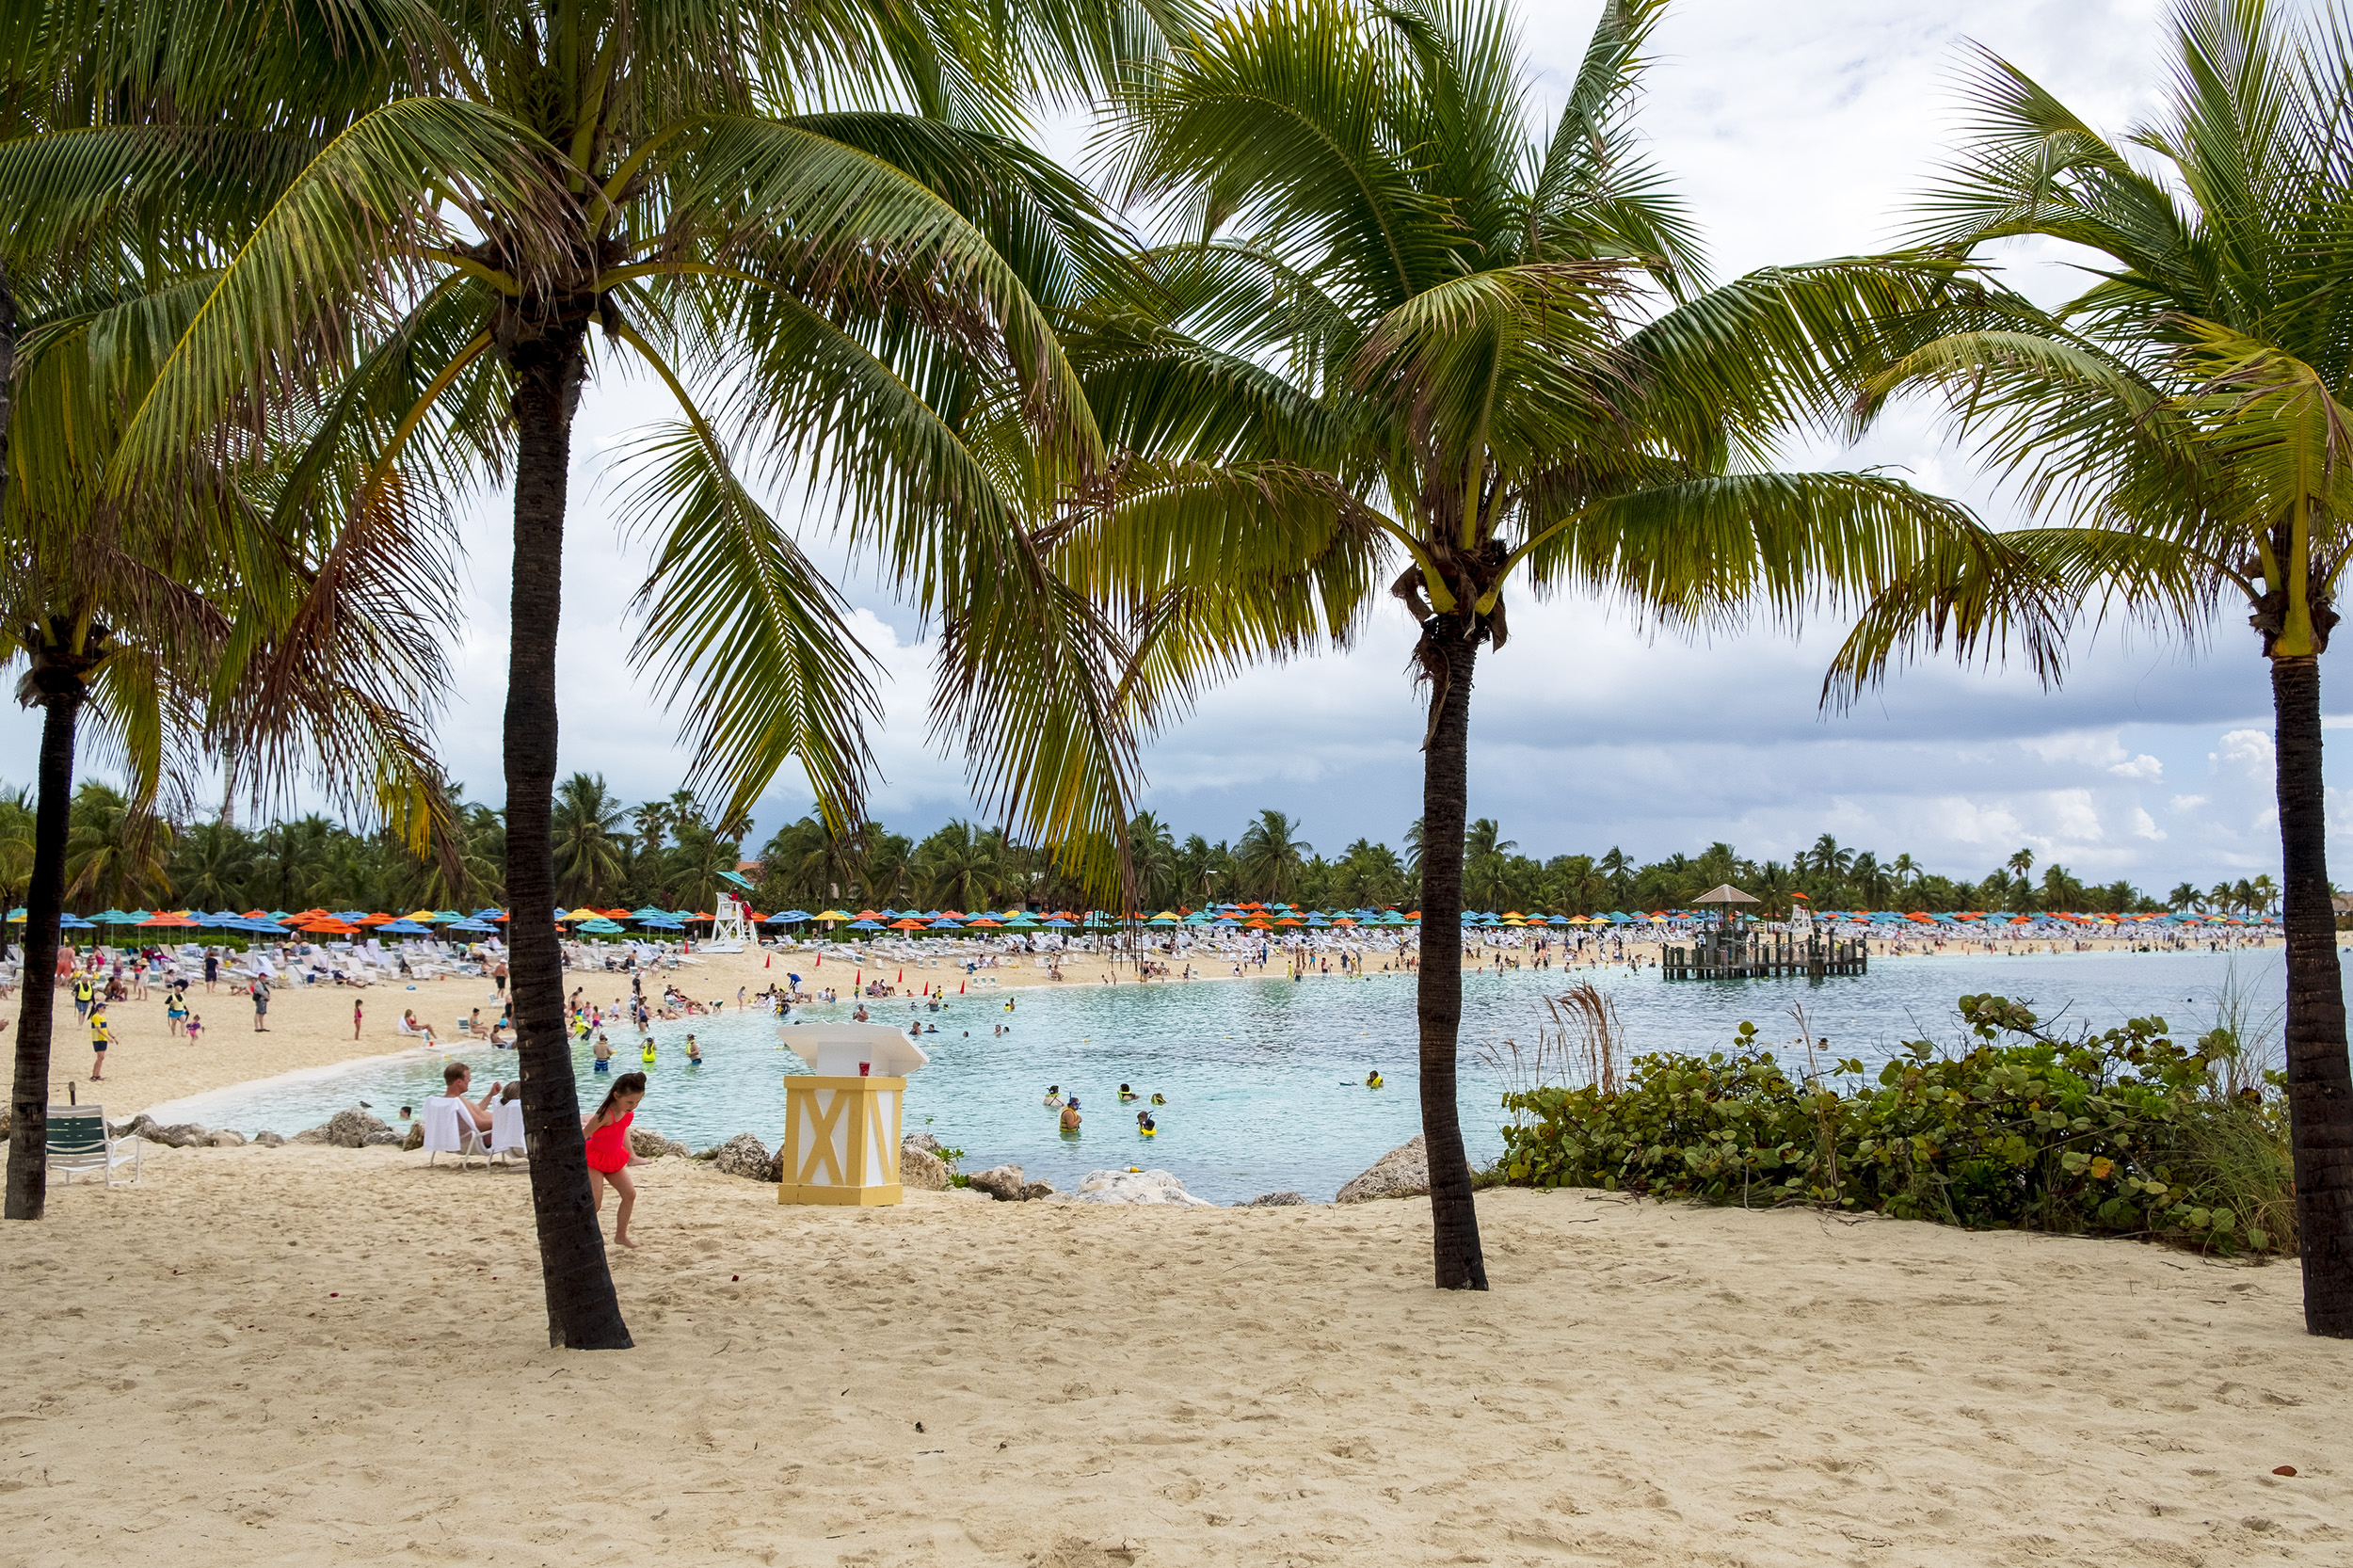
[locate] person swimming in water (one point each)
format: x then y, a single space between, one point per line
646 1054
694 1052
1145 1125
1126 1094
1159 1100
1070 1115
1053 1096
1373 1079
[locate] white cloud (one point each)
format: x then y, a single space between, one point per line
2188 803
2142 766
2145 827
2249 750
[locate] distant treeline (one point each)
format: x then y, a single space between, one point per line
670 852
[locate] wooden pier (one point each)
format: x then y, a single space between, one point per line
1739 955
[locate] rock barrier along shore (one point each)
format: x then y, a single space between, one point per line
1401 1173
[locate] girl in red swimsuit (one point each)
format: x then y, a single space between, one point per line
608 1149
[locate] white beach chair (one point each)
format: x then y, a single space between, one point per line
506 1130
79 1145
450 1130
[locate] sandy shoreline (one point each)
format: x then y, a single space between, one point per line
312 1026
310 1355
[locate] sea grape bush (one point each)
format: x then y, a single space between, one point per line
2120 1133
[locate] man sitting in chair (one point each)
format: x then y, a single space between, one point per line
456 1078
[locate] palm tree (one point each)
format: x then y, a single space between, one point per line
1829 860
1617 869
176 619
816 210
2183 897
2266 892
586 825
1152 857
960 867
211 865
1269 861
1401 333
2182 422
116 854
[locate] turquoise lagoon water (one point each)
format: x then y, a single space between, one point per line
1263 1077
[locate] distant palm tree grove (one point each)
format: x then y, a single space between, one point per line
670 852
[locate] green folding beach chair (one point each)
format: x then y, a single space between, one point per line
80 1145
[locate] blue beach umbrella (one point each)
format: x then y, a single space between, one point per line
411 928
600 926
866 926
75 923
943 924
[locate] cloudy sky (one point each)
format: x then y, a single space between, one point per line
1797 131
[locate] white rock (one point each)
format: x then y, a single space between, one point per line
1137 1187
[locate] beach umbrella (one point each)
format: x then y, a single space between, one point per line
866 926
790 916
907 924
1318 920
649 913
833 915
17 914
328 925
944 923
75 923
1058 923
599 926
411 928
470 924
985 920
1021 922
169 919
1163 917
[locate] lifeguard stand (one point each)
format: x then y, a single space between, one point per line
731 928
841 1120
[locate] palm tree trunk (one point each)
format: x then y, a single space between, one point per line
583 1311
44 902
2320 1078
1448 657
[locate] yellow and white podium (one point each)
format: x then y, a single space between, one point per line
842 1119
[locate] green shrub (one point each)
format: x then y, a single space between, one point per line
2124 1133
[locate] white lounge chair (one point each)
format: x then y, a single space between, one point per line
506 1130
450 1129
79 1145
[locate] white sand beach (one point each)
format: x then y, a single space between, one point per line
312 1355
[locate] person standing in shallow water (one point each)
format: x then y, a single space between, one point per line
1070 1117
